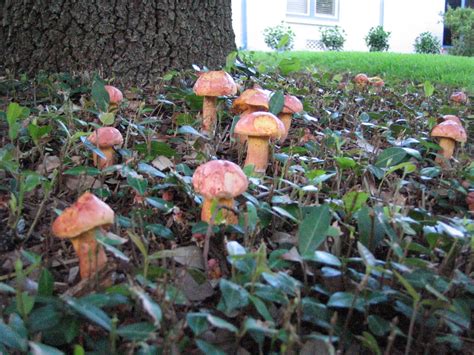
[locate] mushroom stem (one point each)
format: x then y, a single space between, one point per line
229 216
104 163
91 255
447 149
257 153
286 119
209 114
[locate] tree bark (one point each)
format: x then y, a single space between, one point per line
132 40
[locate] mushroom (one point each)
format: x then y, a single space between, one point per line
291 106
452 118
211 85
361 79
470 201
115 96
105 138
219 180
79 223
458 97
449 133
259 127
251 100
376 81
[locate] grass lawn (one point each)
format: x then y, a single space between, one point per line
442 69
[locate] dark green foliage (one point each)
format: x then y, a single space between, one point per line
461 23
333 38
427 43
377 39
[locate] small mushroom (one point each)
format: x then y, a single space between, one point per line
259 127
219 180
115 97
105 138
251 100
470 201
361 79
211 85
291 106
459 97
376 81
79 223
452 118
449 133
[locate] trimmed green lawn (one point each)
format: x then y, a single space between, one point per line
449 70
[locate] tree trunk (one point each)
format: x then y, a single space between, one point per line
133 40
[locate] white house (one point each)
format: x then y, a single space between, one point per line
405 19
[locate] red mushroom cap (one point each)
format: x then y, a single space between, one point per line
292 105
361 79
450 129
458 97
106 137
215 83
452 118
86 213
219 179
260 124
115 94
255 97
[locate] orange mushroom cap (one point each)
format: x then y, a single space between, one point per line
215 83
458 97
452 118
450 129
361 79
219 179
292 104
260 124
255 97
376 81
115 94
470 200
86 213
106 137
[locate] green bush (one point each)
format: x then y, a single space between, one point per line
461 23
377 39
427 43
333 38
280 37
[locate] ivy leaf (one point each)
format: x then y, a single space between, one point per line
100 95
152 308
313 230
233 296
276 102
390 157
90 312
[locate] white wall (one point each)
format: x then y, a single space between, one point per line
423 15
406 19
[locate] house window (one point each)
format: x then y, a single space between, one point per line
325 7
297 7
312 8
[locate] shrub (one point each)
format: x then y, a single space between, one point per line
377 39
461 23
427 43
280 37
333 38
